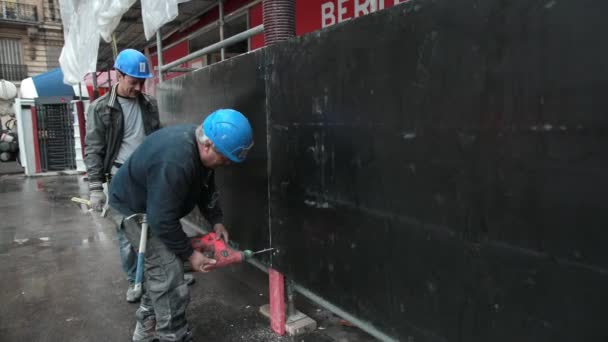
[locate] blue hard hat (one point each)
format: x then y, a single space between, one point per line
230 133
133 63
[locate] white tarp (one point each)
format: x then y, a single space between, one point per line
81 36
157 13
84 21
110 12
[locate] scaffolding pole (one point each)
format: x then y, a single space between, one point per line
159 55
221 8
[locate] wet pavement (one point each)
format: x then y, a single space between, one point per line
61 278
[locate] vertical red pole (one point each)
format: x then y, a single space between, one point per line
277 301
81 124
35 137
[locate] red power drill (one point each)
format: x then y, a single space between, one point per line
217 249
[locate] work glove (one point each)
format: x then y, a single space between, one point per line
98 200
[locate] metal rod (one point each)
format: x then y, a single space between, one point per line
177 69
214 47
159 55
264 250
365 326
221 21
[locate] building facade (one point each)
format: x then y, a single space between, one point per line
31 38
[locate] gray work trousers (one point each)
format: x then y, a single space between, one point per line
166 295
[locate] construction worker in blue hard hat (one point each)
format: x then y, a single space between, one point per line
165 178
116 124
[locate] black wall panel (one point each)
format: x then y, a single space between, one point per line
436 168
237 83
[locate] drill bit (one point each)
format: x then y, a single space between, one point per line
263 250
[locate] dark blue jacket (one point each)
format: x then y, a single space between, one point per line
165 179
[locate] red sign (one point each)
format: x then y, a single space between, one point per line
312 15
337 11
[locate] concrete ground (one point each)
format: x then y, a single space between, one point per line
60 277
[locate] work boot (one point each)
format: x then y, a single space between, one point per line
132 295
146 331
189 278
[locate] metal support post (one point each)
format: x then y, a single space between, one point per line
95 88
221 22
114 46
159 55
291 307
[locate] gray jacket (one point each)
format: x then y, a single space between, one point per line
105 129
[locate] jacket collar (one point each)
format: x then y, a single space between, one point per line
113 102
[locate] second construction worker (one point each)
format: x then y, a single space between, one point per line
117 124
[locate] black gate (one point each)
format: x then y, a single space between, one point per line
55 134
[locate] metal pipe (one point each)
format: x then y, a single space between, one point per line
258 265
159 55
279 20
214 47
221 22
176 69
365 326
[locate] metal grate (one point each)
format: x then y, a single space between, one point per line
11 66
56 136
13 72
51 11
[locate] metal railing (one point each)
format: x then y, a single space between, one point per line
18 12
213 47
51 12
13 72
221 45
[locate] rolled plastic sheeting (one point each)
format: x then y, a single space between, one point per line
83 24
8 90
7 156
